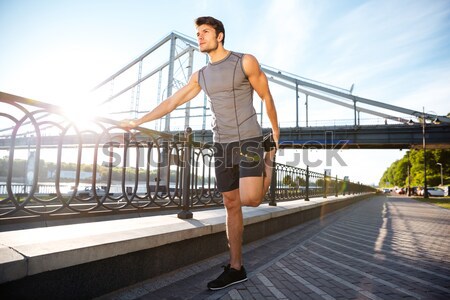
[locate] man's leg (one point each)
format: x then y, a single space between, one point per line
235 271
269 158
234 226
254 188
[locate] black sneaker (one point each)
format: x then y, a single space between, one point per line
268 143
229 277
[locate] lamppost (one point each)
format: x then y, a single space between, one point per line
424 146
436 121
442 178
409 175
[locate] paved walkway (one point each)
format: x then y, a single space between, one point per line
381 248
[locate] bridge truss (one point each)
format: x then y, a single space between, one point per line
167 66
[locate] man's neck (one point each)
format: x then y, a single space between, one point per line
218 54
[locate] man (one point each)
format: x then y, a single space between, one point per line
243 173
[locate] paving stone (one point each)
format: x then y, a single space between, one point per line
380 248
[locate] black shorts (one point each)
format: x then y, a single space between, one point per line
237 160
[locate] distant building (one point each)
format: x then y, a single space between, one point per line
72 174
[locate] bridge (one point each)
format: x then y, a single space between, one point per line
44 130
391 136
120 96
405 128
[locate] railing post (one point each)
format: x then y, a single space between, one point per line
325 184
307 184
336 187
273 184
185 213
344 185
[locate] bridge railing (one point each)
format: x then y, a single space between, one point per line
54 164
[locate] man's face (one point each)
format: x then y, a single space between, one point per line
206 38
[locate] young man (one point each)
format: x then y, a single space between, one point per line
243 173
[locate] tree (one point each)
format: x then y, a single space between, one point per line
287 180
397 173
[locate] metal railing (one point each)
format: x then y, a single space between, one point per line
51 165
297 183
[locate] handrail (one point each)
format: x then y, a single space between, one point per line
108 169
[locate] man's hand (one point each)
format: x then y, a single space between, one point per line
128 124
276 137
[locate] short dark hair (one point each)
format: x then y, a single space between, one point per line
216 24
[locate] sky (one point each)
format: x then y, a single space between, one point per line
393 51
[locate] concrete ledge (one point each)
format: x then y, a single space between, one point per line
12 264
51 248
32 255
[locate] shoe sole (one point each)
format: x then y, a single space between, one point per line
223 287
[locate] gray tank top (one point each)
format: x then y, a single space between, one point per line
231 100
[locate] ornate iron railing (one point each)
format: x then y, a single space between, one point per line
52 163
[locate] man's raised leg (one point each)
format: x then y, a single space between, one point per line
269 158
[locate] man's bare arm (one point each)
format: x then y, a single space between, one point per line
259 82
183 95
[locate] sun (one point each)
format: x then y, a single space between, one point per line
81 111
66 80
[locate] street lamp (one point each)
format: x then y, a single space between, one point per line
409 175
435 121
424 146
424 122
442 178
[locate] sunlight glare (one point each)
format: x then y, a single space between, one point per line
65 81
80 112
